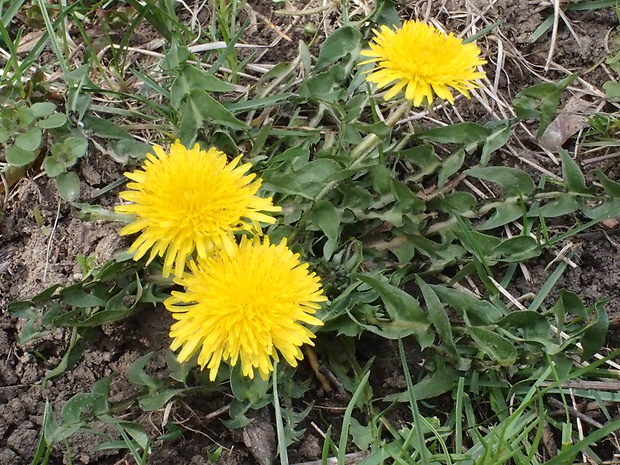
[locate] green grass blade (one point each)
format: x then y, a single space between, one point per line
279 423
549 285
52 36
9 14
346 420
568 455
413 404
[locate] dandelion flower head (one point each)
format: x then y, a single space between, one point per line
190 201
423 61
245 305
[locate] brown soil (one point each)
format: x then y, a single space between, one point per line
33 256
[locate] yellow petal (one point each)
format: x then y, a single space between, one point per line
423 61
249 305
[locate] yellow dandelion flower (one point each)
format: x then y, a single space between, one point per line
245 305
423 61
191 200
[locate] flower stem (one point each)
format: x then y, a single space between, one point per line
358 155
367 145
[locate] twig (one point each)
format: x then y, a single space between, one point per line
576 413
5 183
554 33
49 242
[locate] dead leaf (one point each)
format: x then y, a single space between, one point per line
570 120
29 40
260 437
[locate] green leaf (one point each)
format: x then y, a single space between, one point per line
612 91
326 86
517 249
124 149
65 154
75 296
478 243
245 389
136 431
381 179
379 129
43 109
78 102
16 156
541 101
258 103
77 344
440 255
178 370
437 315
574 179
191 78
30 140
571 303
342 42
406 315
363 436
384 13
237 412
190 122
223 141
177 54
406 201
53 121
25 117
104 128
562 205
52 431
137 376
502 215
101 388
478 312
439 381
307 182
116 446
211 109
515 182
78 404
498 348
611 187
53 167
452 165
454 202
593 338
68 185
424 157
45 295
22 309
325 216
355 196
77 318
460 133
495 141
51 314
608 209
156 400
533 325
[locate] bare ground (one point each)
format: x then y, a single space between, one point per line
35 254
